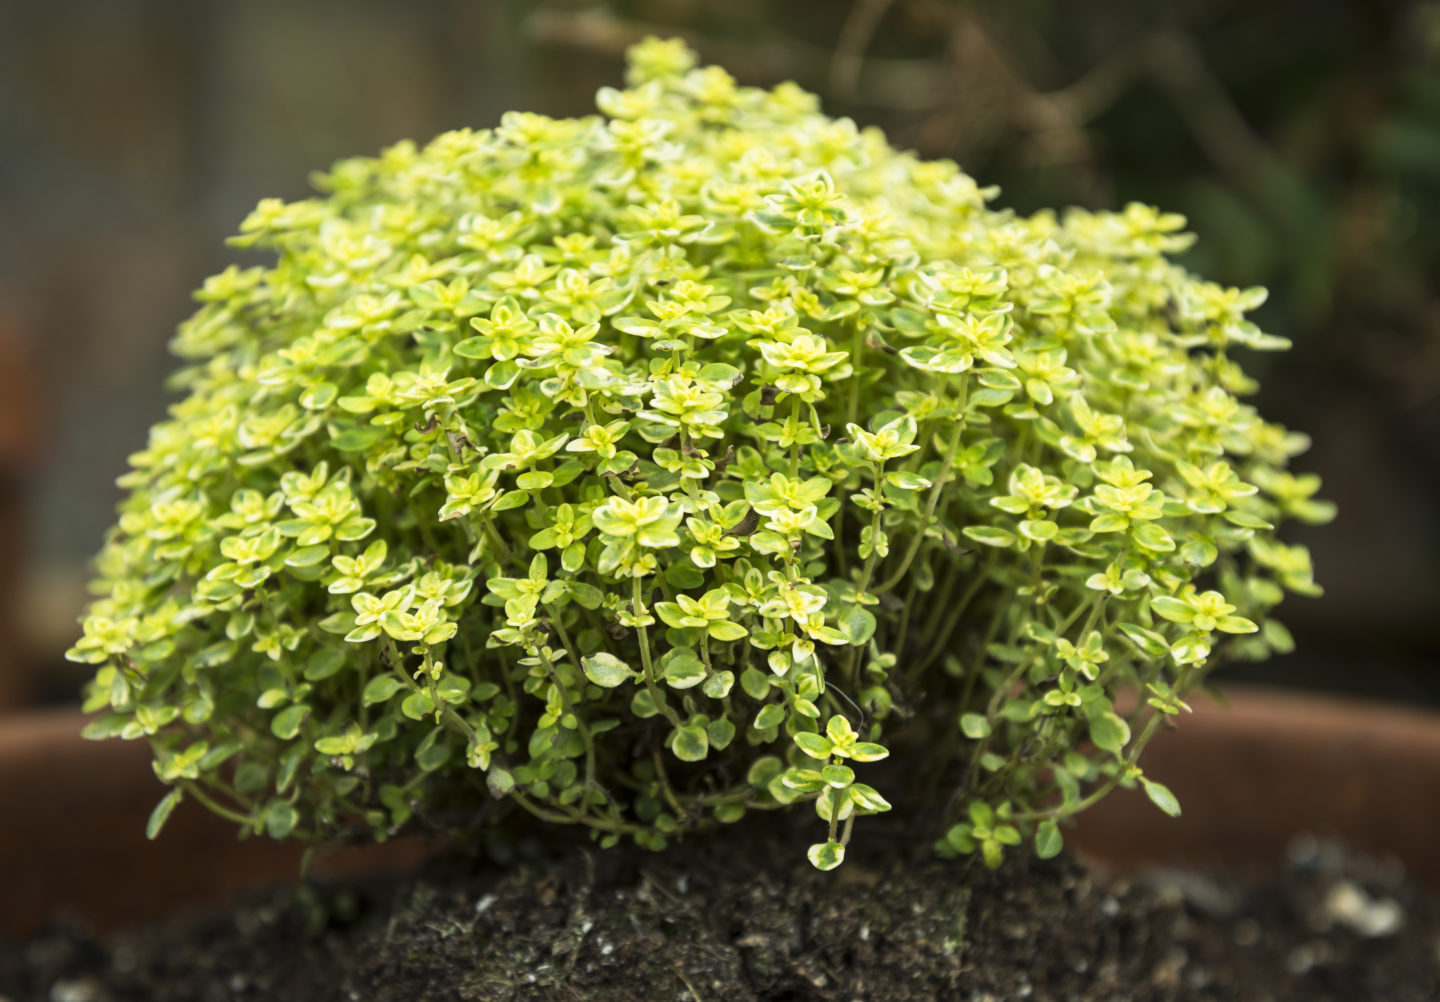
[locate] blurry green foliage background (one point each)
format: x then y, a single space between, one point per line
1301 137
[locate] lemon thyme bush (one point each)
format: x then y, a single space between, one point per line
642 470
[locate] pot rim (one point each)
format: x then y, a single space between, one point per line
1249 776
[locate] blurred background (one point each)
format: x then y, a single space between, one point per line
1300 137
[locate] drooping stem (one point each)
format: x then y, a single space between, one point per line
1121 772
795 445
941 635
656 696
868 573
936 489
570 711
195 790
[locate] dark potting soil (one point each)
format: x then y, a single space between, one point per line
719 921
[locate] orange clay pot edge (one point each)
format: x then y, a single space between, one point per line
1249 778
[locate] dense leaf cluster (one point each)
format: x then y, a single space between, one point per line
646 469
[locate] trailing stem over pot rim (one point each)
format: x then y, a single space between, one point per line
644 469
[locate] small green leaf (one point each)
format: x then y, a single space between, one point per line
1161 797
1148 641
826 855
287 722
643 705
511 499
690 742
1172 609
1199 550
218 755
858 623
105 727
993 852
989 536
161 813
380 688
721 732
961 838
356 439
1048 841
500 781
307 556
587 596
1190 649
906 480
417 705
726 631
1109 522
606 670
729 812
1109 732
681 668
473 347
323 663
280 818
814 745
718 686
333 744
1153 538
868 799
770 715
433 757
763 770
1236 624
975 726
1041 530
868 751
1246 520
755 683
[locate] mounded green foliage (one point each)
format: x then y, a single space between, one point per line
646 469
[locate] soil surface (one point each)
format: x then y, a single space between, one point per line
736 920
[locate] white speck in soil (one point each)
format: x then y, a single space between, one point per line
1194 889
1307 956
1349 905
484 904
78 990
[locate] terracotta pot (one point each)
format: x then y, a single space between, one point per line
1249 778
1273 764
19 437
72 840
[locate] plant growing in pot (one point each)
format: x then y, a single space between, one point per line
640 472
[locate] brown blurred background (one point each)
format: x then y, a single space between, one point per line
1301 137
